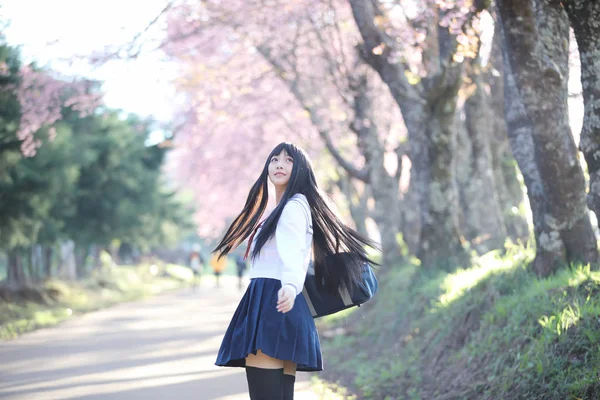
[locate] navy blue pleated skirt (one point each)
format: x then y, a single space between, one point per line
257 325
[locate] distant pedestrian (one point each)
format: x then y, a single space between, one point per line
272 333
241 265
196 263
218 266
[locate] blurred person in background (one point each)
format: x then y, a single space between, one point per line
218 265
241 265
196 263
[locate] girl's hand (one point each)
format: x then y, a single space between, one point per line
285 298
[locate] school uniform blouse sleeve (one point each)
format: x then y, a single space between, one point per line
291 244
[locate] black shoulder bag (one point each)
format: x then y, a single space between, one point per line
322 302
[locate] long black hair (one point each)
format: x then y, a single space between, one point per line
331 237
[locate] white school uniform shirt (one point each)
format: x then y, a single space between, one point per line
286 255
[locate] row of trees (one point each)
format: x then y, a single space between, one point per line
77 182
464 91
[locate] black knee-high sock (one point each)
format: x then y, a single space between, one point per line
288 386
265 384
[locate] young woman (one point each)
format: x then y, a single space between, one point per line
272 333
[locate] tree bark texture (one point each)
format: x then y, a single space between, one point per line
508 187
410 218
584 16
16 275
81 255
384 187
483 222
441 242
428 110
357 203
520 134
536 39
67 260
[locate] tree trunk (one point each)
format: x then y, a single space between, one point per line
509 189
81 254
67 260
48 261
357 203
37 266
97 261
30 260
411 215
585 20
536 40
16 275
428 110
384 187
520 134
483 221
441 243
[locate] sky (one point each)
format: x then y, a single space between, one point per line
53 33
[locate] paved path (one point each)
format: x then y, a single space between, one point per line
160 348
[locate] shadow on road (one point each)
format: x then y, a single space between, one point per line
161 348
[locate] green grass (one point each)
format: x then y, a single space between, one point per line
492 331
56 300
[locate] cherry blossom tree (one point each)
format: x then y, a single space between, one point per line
312 57
317 74
42 96
418 49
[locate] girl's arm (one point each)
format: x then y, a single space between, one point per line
291 240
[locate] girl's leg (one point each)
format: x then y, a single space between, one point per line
289 379
265 377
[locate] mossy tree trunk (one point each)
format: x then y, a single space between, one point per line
509 188
536 39
428 109
483 222
441 243
585 20
16 274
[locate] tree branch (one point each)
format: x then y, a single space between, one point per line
361 174
376 51
332 65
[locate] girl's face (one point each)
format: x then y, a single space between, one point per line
280 169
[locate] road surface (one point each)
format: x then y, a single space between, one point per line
160 348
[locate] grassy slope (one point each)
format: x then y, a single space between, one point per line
493 331
57 300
